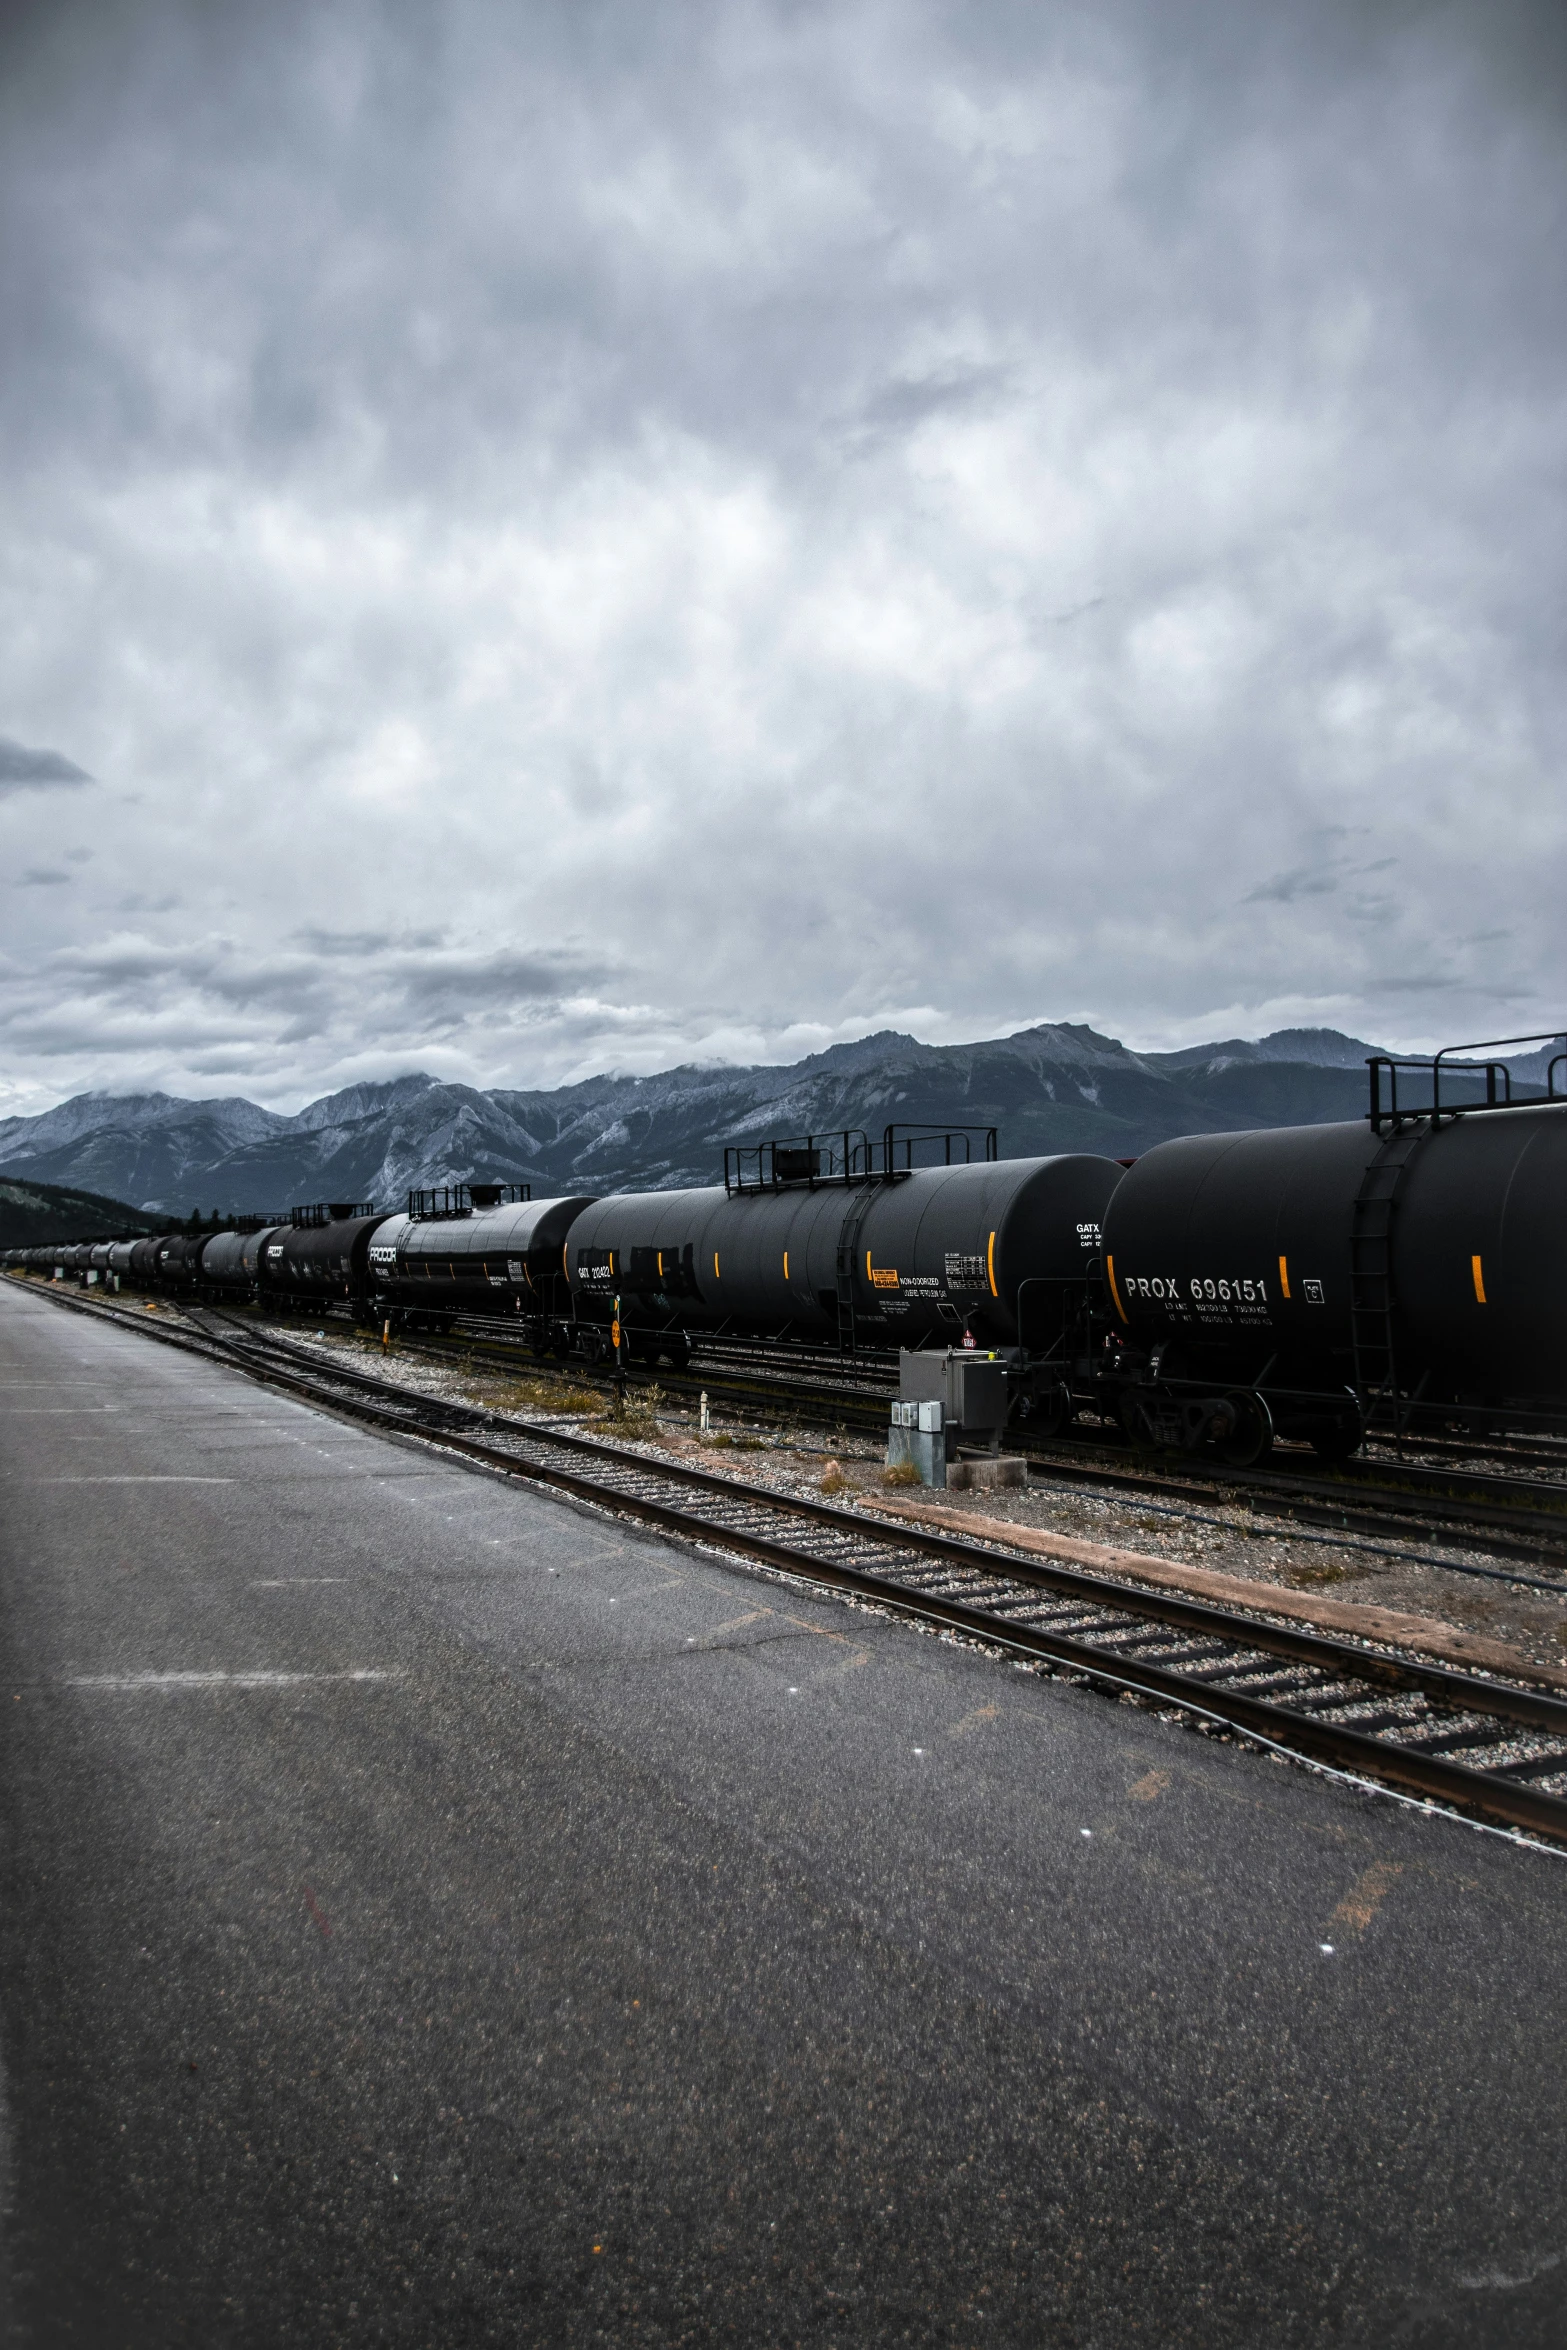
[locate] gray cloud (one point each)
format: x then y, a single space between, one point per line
595 537
21 767
1285 888
359 943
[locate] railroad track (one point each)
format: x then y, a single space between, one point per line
1514 1516
1504 1517
1498 1516
1492 1750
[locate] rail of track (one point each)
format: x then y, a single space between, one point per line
1505 1517
868 1380
1494 1750
770 1380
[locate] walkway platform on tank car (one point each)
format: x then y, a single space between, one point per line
433 1912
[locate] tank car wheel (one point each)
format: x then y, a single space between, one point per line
1048 1410
1251 1437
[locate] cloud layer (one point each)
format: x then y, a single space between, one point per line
583 536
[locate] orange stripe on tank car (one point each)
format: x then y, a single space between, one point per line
990 1266
1284 1275
786 1264
1478 1270
717 1276
1114 1292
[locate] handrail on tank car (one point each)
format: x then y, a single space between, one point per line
796 1161
908 1138
809 1162
321 1211
1499 1095
443 1203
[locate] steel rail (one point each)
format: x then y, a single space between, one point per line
1357 1495
1103 1624
1329 1500
1372 1490
1298 1499
1427 1775
778 1370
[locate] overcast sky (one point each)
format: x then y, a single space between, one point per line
546 538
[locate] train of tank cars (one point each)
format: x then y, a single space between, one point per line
1306 1282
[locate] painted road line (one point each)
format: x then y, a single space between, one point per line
222 1680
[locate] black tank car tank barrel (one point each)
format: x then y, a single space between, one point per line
494 1259
911 1258
1230 1251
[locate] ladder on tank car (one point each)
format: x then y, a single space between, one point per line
848 1247
1371 1299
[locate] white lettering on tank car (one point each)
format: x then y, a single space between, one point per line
1214 1297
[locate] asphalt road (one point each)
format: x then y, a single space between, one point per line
434 1914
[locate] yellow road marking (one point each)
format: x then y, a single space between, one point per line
981 1713
738 1623
1366 1896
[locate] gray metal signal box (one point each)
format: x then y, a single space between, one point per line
971 1389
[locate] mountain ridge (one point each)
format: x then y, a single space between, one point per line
1049 1087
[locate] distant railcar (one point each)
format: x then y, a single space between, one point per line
466 1250
144 1260
321 1259
177 1264
231 1262
121 1256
